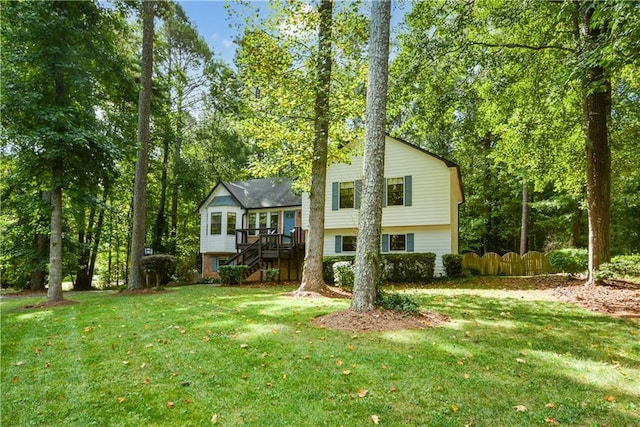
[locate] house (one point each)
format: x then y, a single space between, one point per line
255 222
422 193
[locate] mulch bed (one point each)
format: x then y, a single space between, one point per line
378 320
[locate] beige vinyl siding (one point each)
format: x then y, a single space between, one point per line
431 189
436 239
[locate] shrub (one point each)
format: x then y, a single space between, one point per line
620 266
232 274
397 302
570 260
408 268
452 264
270 274
161 266
344 275
327 266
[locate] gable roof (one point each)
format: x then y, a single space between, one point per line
259 193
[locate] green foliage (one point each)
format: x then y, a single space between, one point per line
161 266
343 272
621 266
397 302
232 274
327 266
571 260
408 268
271 274
452 264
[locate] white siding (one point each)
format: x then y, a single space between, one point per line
220 243
431 189
436 239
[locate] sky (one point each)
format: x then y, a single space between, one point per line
212 21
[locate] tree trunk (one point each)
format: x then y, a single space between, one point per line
367 263
54 293
85 236
524 228
95 243
312 277
144 116
597 109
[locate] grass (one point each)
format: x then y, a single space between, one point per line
252 357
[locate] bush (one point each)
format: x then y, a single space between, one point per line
452 264
161 266
344 275
327 266
572 261
232 274
620 266
270 274
397 302
408 268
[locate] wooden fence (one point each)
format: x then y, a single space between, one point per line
510 264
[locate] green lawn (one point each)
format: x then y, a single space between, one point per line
252 357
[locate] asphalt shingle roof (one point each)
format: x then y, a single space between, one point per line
263 193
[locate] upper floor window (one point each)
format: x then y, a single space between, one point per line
395 191
347 195
215 225
231 223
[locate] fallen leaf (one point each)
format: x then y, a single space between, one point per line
20 363
455 408
351 347
148 345
38 350
263 355
550 405
147 381
244 345
552 421
47 343
384 366
245 376
520 408
214 419
15 380
170 405
392 388
362 392
467 376
460 362
338 362
143 365
120 399
375 419
346 372
521 361
609 398
187 401
47 365
205 338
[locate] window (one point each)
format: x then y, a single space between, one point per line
253 218
263 220
231 223
395 191
349 243
216 223
347 195
273 221
397 242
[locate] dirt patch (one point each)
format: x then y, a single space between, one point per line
143 291
614 299
47 304
327 292
378 320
